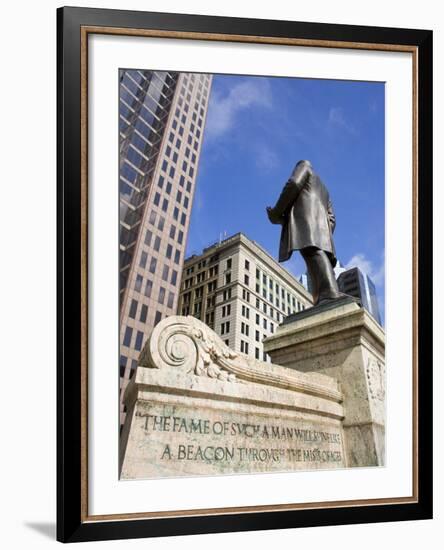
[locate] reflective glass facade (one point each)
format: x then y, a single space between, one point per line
359 285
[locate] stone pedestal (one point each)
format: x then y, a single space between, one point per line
346 343
195 407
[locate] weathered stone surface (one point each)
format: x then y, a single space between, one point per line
196 407
347 344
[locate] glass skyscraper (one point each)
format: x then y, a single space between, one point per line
161 123
358 284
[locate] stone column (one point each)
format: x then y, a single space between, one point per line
346 343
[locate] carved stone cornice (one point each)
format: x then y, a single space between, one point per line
188 344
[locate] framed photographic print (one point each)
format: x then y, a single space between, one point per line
244 274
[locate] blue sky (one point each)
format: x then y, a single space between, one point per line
258 128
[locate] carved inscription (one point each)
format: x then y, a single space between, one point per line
181 442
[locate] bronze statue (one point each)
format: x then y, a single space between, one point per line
305 211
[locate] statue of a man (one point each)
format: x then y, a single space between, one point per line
305 211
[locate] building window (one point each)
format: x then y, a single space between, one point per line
153 265
143 260
177 257
138 343
225 327
161 297
148 288
227 294
199 292
170 299
143 313
229 263
227 278
245 312
257 319
161 223
148 237
165 273
244 347
128 336
271 328
168 187
247 265
133 309
169 251
257 352
157 244
165 205
246 280
157 318
174 277
265 323
172 231
226 310
212 286
138 283
258 336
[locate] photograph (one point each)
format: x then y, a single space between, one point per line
243 210
251 273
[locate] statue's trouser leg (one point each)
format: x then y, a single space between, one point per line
320 270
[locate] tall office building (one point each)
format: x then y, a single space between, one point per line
241 292
162 119
358 284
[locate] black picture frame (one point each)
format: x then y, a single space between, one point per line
73 522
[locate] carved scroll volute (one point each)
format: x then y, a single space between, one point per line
170 346
187 344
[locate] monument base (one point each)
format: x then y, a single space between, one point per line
195 407
346 343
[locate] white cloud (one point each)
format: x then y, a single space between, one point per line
337 118
266 159
376 273
224 109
